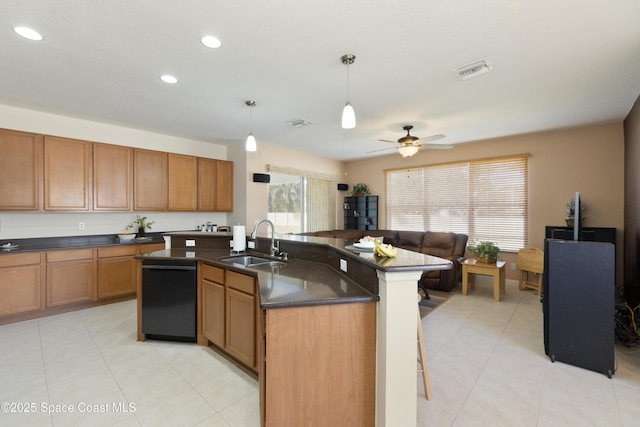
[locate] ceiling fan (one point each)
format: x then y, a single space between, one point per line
409 144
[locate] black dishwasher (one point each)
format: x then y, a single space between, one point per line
169 300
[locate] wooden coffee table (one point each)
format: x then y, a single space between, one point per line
471 267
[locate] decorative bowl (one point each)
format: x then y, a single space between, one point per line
126 237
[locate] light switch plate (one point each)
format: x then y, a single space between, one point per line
343 265
251 244
190 242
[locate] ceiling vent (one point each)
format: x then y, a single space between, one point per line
299 123
473 70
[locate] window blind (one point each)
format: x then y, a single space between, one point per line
485 199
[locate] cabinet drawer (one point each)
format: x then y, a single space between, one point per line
72 255
213 274
241 282
19 259
116 251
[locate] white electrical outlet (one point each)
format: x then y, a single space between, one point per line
251 244
81 226
513 265
343 265
190 242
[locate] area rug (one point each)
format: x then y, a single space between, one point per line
437 298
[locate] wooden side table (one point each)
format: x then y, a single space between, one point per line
470 267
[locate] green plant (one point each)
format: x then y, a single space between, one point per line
571 210
361 189
140 223
485 251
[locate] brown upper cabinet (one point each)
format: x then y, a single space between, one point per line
112 177
215 185
21 166
183 183
67 174
50 173
150 173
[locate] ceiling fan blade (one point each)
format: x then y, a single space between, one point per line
432 138
383 149
386 140
437 146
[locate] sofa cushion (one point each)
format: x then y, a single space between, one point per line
411 240
440 244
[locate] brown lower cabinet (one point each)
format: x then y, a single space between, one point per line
37 281
69 277
229 313
116 271
20 283
318 365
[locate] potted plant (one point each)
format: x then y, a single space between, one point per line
571 212
485 252
141 224
360 189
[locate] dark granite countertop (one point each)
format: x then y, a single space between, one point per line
291 284
73 242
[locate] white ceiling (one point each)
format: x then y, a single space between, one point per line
557 64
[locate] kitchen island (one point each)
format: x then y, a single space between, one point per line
336 345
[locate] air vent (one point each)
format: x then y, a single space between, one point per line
473 70
299 123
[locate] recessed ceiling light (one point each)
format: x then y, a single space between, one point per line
211 41
28 33
169 79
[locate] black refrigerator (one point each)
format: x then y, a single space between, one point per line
579 304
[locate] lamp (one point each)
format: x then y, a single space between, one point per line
250 145
348 115
408 150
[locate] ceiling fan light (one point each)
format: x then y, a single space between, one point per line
348 116
408 150
251 143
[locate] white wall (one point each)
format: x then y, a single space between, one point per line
46 224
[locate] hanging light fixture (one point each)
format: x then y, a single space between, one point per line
348 115
251 140
408 150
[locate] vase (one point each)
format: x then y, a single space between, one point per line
141 232
487 259
569 221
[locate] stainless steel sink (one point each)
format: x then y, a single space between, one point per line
250 261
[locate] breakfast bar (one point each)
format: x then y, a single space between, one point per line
327 314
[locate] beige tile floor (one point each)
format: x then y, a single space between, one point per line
486 359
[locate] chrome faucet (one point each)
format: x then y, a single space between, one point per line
274 248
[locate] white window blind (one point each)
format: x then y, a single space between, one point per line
485 199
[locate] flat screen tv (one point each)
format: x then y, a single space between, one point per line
577 218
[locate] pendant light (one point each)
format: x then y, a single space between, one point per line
348 115
251 140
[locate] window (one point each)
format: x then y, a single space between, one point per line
485 199
301 203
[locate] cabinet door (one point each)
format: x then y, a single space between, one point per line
67 174
69 277
20 279
112 183
150 180
213 312
241 318
20 163
207 173
224 186
183 183
116 271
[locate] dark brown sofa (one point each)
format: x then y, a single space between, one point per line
446 245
